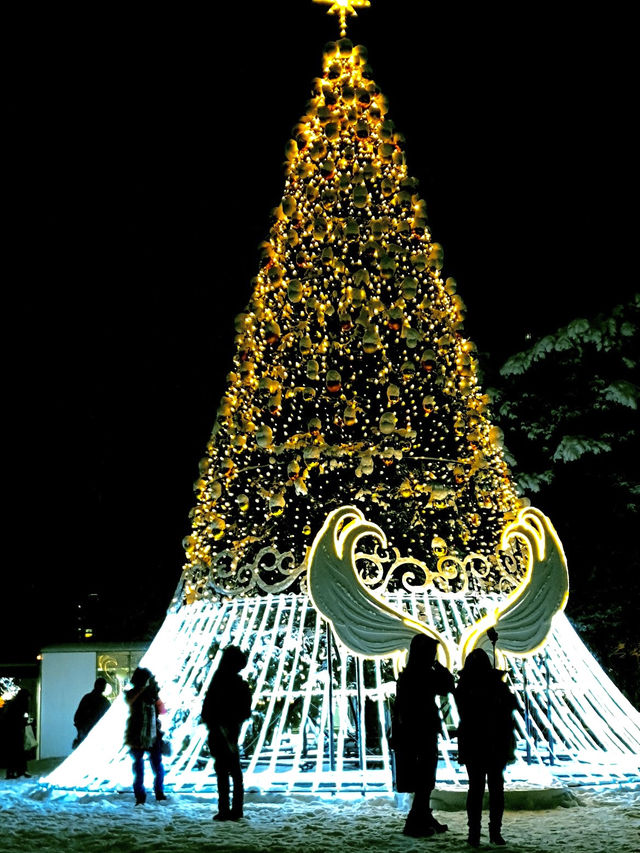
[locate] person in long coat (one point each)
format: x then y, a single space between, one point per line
416 725
144 733
15 720
227 704
93 706
486 740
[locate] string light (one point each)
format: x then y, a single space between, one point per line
352 345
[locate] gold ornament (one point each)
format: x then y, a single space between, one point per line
217 526
276 505
314 426
405 489
371 340
333 381
366 463
387 423
428 404
293 470
294 290
311 456
396 319
439 546
428 361
408 370
393 394
264 436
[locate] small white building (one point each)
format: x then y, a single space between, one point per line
68 671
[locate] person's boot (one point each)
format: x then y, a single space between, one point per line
417 827
224 812
237 803
435 824
473 839
141 799
495 836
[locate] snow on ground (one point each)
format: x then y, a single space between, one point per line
34 819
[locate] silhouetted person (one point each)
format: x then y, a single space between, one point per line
485 740
143 733
226 706
415 730
15 719
92 707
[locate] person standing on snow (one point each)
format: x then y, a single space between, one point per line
486 740
226 706
415 729
92 707
143 732
15 721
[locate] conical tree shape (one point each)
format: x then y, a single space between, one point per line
353 382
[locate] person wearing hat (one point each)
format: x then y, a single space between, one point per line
415 729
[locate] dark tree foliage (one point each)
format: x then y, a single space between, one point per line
568 408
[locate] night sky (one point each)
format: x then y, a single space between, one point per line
145 155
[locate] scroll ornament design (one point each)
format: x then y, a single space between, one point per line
271 571
381 569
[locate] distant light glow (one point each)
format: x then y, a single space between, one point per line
8 689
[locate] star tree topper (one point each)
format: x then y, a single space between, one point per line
344 8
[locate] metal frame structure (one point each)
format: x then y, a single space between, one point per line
321 715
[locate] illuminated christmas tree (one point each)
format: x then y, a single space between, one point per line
355 493
353 381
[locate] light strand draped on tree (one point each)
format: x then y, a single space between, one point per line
353 380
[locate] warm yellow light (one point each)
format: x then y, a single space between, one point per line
360 619
342 8
525 619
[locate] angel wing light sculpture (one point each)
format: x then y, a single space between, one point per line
362 621
524 620
370 627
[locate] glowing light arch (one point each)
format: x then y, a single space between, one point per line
321 711
573 724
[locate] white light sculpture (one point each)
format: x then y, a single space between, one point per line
321 713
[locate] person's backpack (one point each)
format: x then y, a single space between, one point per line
149 727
